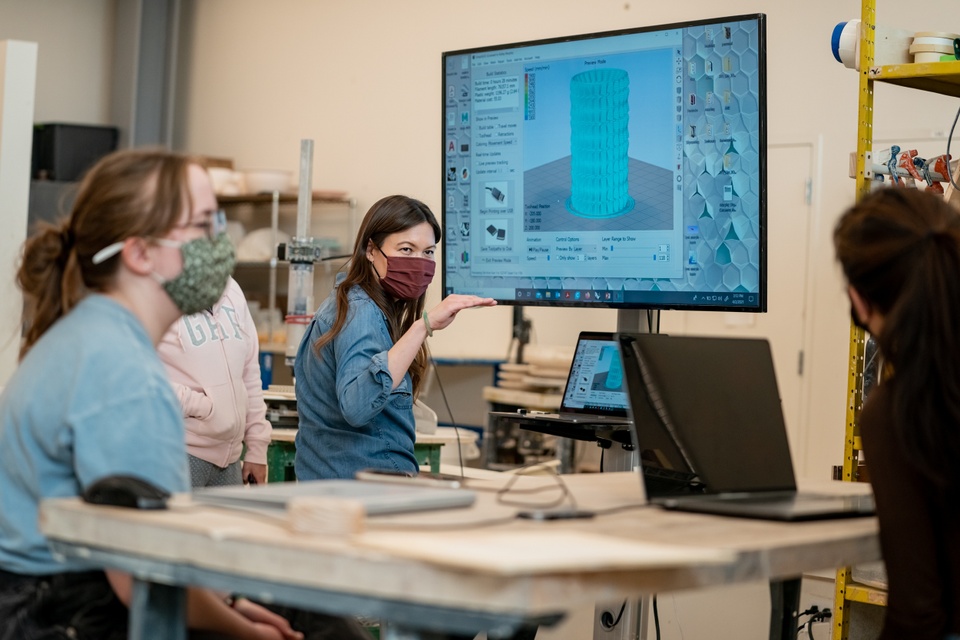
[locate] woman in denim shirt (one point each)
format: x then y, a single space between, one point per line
363 358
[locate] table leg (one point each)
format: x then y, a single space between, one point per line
567 454
784 607
157 611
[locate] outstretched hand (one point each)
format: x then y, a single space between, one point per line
266 623
443 314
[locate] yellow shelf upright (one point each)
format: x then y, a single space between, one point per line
851 455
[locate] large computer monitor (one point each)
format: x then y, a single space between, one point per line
624 169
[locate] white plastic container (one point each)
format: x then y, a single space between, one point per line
267 180
468 445
425 418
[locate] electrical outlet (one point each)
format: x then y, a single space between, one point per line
820 631
821 626
817 589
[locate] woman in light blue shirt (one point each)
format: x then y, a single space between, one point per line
363 358
91 398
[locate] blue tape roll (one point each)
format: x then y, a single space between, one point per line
835 40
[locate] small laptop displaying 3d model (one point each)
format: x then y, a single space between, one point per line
594 393
710 431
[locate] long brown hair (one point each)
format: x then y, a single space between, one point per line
387 216
900 250
131 193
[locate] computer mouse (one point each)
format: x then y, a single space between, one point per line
126 491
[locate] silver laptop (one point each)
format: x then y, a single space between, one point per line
710 433
378 498
594 392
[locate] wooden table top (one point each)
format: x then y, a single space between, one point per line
459 558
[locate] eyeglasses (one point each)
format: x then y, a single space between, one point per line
213 227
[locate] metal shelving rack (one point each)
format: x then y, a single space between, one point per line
275 200
936 77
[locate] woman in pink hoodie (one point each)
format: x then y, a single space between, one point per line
212 360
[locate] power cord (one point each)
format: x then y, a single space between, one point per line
653 317
607 620
443 394
564 496
949 139
656 616
816 615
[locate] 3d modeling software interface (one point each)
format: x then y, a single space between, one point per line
620 169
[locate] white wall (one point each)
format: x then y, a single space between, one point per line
75 49
71 85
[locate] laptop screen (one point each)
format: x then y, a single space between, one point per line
595 381
706 414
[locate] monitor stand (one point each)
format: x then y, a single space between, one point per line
626 619
638 320
521 331
623 457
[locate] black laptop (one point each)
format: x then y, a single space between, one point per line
710 432
594 393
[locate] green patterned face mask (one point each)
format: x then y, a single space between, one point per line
207 265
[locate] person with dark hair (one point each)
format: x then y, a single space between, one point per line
900 254
91 398
363 358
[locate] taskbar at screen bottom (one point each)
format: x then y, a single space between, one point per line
747 301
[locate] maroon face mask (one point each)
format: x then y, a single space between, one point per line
407 277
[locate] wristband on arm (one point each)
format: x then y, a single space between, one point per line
426 323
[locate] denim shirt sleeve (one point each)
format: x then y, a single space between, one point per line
364 383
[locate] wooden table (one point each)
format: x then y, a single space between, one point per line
462 578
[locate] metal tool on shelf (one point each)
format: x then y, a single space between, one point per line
301 252
905 168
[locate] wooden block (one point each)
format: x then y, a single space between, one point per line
891 46
544 383
528 399
210 161
327 516
515 367
514 384
549 372
554 357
